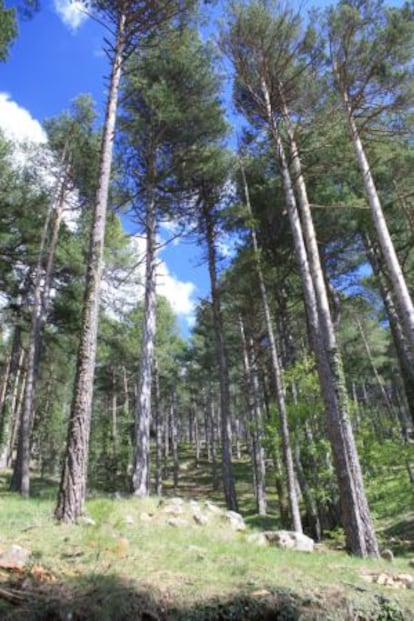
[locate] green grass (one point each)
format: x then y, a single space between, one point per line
114 571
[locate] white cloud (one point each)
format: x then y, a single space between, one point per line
179 293
18 124
71 12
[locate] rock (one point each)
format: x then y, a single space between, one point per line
210 506
14 557
290 540
235 520
177 522
129 520
387 555
199 518
258 539
145 517
175 501
407 580
173 509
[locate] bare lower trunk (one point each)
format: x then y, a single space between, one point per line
174 437
392 263
141 450
72 491
9 394
158 431
255 425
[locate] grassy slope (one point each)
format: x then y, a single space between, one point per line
118 571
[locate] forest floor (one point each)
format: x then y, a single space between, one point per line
122 565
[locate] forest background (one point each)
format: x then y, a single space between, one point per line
300 361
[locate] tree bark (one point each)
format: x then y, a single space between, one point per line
227 468
389 254
72 491
255 424
355 515
41 302
404 352
141 450
9 394
158 431
277 378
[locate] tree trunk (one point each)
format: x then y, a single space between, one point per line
356 520
141 449
392 263
174 437
404 352
72 491
9 395
158 431
227 468
255 424
277 379
41 302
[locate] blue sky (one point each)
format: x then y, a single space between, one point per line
57 56
53 60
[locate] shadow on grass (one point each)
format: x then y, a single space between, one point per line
108 598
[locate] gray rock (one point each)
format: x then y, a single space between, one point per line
210 506
177 522
290 540
235 520
199 518
129 520
173 509
387 555
13 557
258 539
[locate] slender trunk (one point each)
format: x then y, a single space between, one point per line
212 438
311 507
141 449
72 492
359 533
227 468
387 402
16 407
9 392
404 352
174 437
277 379
357 519
114 422
392 263
255 424
158 431
41 302
197 437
